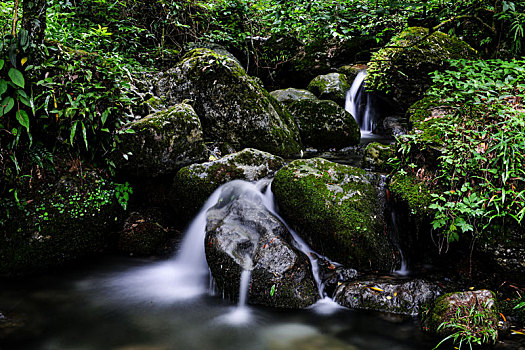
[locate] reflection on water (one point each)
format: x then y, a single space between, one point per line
135 304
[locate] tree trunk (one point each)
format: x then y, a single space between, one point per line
34 19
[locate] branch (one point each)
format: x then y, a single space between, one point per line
485 25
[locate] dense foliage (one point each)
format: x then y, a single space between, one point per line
477 127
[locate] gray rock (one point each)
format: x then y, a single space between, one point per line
393 296
290 95
324 125
241 234
332 86
161 143
232 106
376 155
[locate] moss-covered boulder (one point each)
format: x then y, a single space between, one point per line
406 297
401 69
232 106
242 234
290 95
336 209
144 233
161 143
195 183
474 313
332 86
376 156
324 124
64 221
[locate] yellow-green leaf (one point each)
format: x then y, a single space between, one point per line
23 60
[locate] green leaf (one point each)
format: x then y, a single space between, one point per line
2 62
84 135
7 104
3 86
72 133
272 291
23 119
17 77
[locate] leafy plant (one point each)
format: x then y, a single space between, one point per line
481 167
473 325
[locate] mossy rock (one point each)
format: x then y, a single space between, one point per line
335 207
332 86
65 221
376 156
161 143
401 69
143 233
412 192
290 95
324 124
423 115
232 106
455 308
195 183
351 71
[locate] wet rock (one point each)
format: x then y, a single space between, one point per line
331 274
67 220
290 95
393 126
195 183
376 156
332 86
503 246
241 234
401 69
323 124
351 71
476 310
338 212
388 295
232 106
144 233
161 143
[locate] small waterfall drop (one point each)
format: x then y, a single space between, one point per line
358 103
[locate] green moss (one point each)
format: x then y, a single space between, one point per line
376 156
413 193
334 205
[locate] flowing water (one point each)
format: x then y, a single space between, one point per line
358 103
125 303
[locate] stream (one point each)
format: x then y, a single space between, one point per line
127 303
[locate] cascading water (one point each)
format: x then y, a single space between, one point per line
358 103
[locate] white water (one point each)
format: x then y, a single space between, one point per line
353 97
241 314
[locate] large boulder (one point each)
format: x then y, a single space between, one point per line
195 183
161 143
324 124
232 106
401 69
474 313
393 296
242 234
376 156
337 210
332 86
290 95
58 224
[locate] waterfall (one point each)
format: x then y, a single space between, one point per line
358 103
